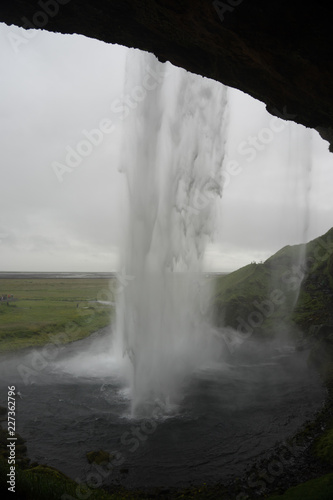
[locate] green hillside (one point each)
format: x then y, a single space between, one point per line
291 290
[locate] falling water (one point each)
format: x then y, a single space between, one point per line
300 163
172 157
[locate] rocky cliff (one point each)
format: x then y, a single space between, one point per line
279 52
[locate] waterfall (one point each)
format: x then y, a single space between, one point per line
172 154
300 164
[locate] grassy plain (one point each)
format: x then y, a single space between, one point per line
43 308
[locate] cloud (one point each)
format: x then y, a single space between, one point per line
56 90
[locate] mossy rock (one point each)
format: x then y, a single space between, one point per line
330 268
324 447
47 471
98 457
320 488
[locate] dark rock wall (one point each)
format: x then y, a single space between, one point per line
278 51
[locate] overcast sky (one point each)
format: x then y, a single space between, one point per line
56 89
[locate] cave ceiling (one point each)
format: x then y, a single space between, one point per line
279 52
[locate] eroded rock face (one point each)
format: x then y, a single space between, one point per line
278 51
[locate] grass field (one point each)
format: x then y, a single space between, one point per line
43 308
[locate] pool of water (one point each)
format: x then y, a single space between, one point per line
230 412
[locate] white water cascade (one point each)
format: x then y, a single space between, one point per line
172 156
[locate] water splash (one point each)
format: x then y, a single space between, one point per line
172 158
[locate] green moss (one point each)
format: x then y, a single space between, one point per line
316 489
48 471
323 448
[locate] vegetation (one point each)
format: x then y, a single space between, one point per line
42 308
320 488
292 289
42 482
324 446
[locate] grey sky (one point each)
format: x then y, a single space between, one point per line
57 89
